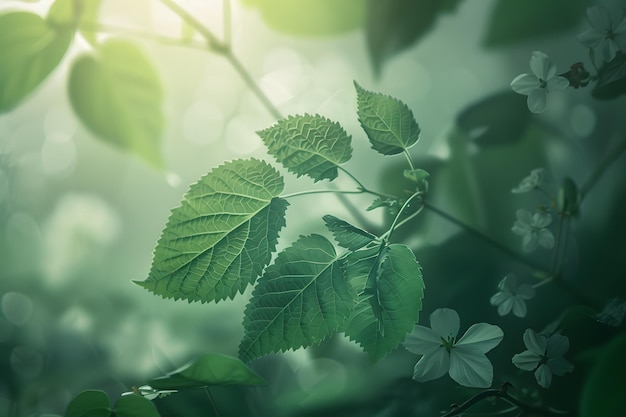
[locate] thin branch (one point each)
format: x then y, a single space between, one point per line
208 393
227 23
325 191
195 23
409 159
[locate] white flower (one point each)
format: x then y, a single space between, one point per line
511 297
149 392
538 84
532 228
608 31
534 180
544 356
464 359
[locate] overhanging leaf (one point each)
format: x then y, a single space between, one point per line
611 79
89 403
134 406
400 290
210 369
308 145
30 49
347 235
388 122
300 300
118 96
223 234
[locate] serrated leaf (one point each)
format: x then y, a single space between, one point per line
611 79
347 235
300 300
308 145
393 205
30 49
400 290
210 369
222 236
388 122
135 406
118 96
89 403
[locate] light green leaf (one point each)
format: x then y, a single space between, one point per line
118 96
89 404
222 236
400 290
388 122
30 49
300 300
308 145
210 369
135 406
347 235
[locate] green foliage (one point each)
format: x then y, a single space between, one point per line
388 122
117 95
210 369
347 235
611 79
516 21
96 404
223 234
31 48
308 145
299 301
568 197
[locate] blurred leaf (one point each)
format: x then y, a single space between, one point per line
394 25
603 393
388 122
31 49
223 234
611 79
311 17
89 404
68 13
210 369
308 145
400 289
347 235
135 406
497 119
515 21
568 197
117 95
300 300
90 12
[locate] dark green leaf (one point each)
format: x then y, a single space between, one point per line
210 369
611 79
393 205
347 235
118 96
388 122
30 49
135 406
308 145
223 234
299 301
568 198
89 404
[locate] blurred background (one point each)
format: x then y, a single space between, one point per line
79 218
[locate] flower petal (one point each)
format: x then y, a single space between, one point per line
508 283
499 297
598 17
591 37
545 238
470 368
526 360
422 340
543 375
481 337
505 307
524 216
541 220
537 100
519 307
445 322
558 345
529 241
525 84
560 366
534 342
525 292
541 66
432 366
557 83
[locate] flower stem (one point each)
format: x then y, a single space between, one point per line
325 191
601 169
404 206
208 393
409 159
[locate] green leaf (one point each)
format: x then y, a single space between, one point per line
90 9
30 49
399 292
89 404
135 406
210 369
393 205
347 235
300 300
611 79
388 122
223 234
308 145
118 96
516 21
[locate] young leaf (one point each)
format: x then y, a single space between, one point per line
347 235
399 292
134 406
89 404
308 145
388 122
30 49
118 96
210 369
222 236
300 300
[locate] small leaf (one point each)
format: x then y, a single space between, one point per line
392 204
223 234
90 10
118 96
388 122
135 406
210 369
347 235
64 13
416 175
611 79
89 404
400 290
568 198
30 49
299 301
308 145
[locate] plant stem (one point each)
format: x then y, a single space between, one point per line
195 23
601 169
362 187
409 160
208 393
227 23
404 206
326 191
557 245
